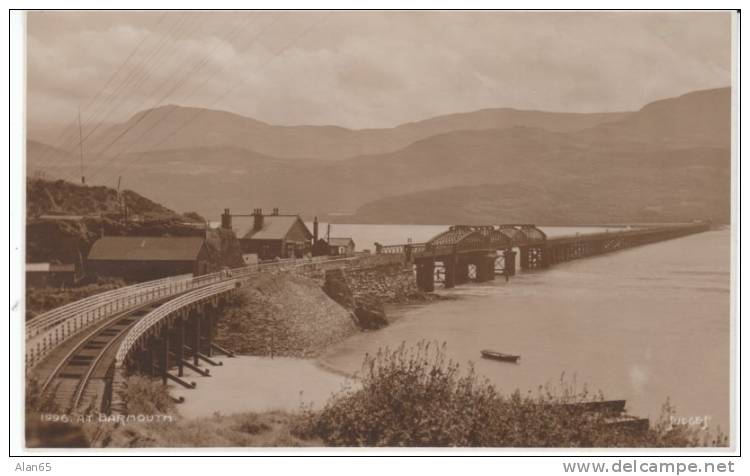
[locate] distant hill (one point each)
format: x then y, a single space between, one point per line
670 159
175 127
699 118
565 202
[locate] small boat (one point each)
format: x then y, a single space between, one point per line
491 354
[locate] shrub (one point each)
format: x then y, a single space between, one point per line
417 397
37 401
147 396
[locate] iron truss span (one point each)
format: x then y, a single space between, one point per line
482 251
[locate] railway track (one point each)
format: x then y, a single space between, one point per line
73 356
80 380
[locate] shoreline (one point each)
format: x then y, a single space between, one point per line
262 370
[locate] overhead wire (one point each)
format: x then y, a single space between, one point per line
218 99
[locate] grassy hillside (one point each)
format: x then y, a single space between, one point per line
643 199
62 197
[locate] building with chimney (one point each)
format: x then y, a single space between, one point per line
269 236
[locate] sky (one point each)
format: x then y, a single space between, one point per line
365 69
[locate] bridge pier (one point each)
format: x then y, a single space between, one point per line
450 272
509 257
426 274
523 253
534 257
485 268
461 272
546 257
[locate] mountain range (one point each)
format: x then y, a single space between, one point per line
668 161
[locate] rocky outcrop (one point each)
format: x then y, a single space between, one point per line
337 288
367 310
370 313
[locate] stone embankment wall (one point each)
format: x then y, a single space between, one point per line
364 290
317 268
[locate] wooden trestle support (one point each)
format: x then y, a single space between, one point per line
184 341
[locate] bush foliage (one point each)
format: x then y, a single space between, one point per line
417 397
147 396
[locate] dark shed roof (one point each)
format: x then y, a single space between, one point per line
146 248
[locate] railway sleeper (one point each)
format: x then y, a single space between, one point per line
81 360
70 375
94 345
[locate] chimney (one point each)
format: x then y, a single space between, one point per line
275 212
258 219
315 230
226 220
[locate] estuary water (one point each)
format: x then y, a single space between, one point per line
644 324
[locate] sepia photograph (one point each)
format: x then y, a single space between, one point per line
495 230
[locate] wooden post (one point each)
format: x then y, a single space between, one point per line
164 360
197 315
211 321
150 356
180 346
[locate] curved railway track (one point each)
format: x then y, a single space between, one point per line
79 371
80 378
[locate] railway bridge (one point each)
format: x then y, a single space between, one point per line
453 256
83 351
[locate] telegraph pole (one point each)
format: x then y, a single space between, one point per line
119 196
80 145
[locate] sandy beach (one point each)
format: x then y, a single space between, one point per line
257 384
